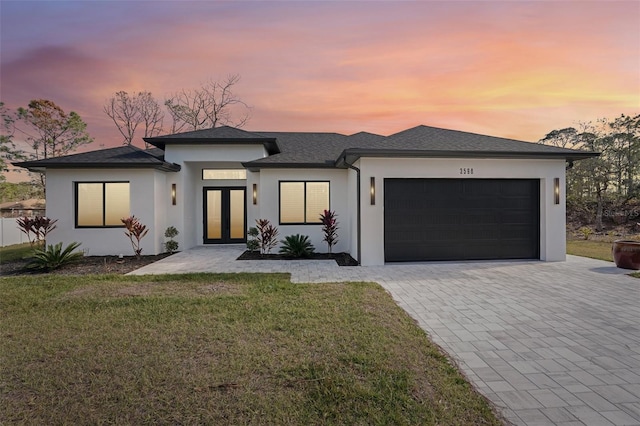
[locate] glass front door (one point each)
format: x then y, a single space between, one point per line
224 215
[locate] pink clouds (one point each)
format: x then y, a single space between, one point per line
515 69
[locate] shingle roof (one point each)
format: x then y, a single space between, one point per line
122 157
436 139
318 149
425 141
307 149
217 135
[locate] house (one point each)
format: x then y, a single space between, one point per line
418 195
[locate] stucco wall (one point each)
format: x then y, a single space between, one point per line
552 216
268 205
180 154
147 201
187 214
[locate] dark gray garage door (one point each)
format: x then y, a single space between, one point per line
461 219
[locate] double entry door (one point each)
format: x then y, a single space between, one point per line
224 215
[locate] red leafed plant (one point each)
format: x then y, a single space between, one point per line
135 231
329 227
37 228
267 235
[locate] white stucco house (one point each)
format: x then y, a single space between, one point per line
421 194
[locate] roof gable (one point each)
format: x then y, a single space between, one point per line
215 136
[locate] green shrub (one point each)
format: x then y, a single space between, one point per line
296 246
252 239
171 245
53 256
586 232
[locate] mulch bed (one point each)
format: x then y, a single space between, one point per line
86 265
342 259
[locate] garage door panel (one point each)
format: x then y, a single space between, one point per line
457 219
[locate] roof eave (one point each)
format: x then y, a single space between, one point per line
254 167
270 144
350 155
39 168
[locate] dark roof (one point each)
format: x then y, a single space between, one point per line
121 157
215 135
318 150
425 141
296 148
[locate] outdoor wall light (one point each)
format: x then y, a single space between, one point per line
556 190
373 191
255 193
173 194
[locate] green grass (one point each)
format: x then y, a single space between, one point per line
15 252
220 349
590 248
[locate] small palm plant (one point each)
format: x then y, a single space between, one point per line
297 246
53 256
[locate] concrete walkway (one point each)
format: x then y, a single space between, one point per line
548 343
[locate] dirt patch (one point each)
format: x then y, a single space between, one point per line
342 259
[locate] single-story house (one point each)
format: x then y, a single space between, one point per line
418 195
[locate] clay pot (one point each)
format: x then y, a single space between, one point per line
626 254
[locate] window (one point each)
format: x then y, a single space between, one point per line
101 204
303 202
224 174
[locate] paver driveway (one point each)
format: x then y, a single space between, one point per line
548 343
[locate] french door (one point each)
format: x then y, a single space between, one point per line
224 215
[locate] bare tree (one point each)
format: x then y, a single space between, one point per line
129 112
214 104
151 113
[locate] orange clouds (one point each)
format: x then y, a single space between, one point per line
514 69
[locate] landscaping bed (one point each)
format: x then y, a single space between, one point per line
86 265
342 259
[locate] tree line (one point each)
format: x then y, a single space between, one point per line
613 178
51 132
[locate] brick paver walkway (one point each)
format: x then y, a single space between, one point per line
548 343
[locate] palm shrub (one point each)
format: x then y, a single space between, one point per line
297 246
267 235
135 231
53 256
329 227
171 245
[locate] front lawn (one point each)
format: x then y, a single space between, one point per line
590 248
220 349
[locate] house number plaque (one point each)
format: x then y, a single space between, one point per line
466 170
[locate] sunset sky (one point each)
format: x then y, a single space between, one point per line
516 69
